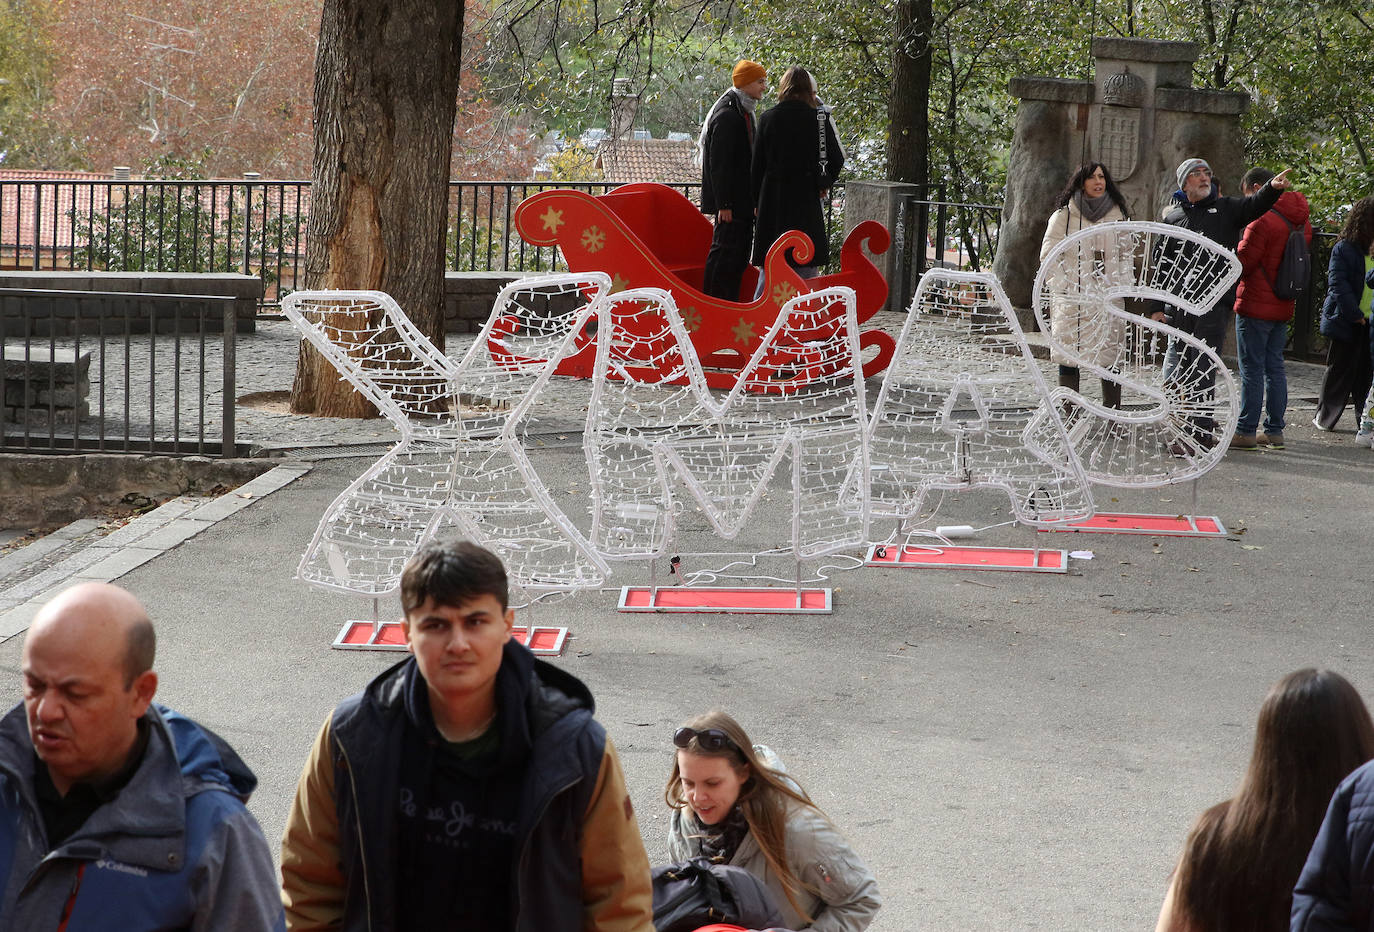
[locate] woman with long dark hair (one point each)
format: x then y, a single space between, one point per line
1345 320
1090 198
1243 856
732 801
797 158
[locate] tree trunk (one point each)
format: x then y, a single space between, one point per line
908 102
386 90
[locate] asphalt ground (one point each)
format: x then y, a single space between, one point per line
1006 751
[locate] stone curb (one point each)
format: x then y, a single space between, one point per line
142 539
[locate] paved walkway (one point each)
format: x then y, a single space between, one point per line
89 551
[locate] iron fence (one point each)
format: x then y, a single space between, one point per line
86 371
256 228
259 227
481 232
253 227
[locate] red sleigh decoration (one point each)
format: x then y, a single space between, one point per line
651 236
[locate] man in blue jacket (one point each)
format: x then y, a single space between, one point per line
116 813
1335 891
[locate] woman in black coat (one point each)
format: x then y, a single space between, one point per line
1344 321
791 176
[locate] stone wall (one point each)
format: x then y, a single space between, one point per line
38 381
469 296
468 299
884 201
1050 127
37 491
163 317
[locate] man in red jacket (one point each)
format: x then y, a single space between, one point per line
1262 317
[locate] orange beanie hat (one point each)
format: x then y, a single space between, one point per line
747 72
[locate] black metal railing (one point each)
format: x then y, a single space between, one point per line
88 371
258 227
254 227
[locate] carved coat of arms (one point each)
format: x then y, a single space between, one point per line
1118 124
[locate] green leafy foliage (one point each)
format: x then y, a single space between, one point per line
575 162
560 61
177 225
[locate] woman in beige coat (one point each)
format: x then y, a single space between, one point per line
733 801
1090 198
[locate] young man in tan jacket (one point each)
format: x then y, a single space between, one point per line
466 788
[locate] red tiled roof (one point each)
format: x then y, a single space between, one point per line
27 215
664 160
29 174
83 192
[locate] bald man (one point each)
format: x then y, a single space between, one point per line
116 813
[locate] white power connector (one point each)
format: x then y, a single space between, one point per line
952 531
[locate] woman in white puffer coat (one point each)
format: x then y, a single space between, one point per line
1090 198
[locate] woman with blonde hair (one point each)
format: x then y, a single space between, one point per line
1243 856
732 801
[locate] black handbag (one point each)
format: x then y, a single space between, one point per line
698 892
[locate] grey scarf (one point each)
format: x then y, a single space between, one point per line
745 101
1093 209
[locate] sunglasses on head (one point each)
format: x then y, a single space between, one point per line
709 739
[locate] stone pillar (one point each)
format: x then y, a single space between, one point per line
886 202
1048 144
1139 116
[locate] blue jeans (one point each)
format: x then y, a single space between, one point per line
1189 369
1259 350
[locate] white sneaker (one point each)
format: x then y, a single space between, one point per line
1317 424
1364 438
